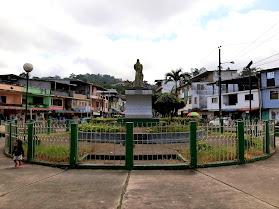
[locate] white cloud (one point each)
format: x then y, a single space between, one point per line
64 37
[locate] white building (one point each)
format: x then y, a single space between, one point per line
195 93
235 98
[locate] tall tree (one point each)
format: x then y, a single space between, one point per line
245 72
177 76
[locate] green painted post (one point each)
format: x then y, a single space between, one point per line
222 125
16 128
129 159
193 144
48 126
202 121
10 138
267 140
240 132
274 135
67 125
74 145
88 120
30 142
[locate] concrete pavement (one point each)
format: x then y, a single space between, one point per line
254 185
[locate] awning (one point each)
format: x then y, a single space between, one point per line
229 110
248 109
23 108
63 111
113 111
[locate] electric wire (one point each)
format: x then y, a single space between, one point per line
255 40
266 58
267 62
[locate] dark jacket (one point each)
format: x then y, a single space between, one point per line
18 151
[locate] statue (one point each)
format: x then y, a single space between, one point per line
139 76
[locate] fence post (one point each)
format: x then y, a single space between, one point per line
74 148
48 126
274 135
221 125
129 159
240 133
67 125
267 140
30 142
193 144
256 120
10 138
16 129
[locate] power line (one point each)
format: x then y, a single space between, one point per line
255 40
266 58
256 46
267 62
207 55
237 44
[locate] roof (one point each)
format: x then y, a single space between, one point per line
269 70
239 80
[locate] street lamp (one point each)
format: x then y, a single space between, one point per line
28 68
220 86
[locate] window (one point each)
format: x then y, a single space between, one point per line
106 105
82 104
57 102
190 100
247 97
214 100
3 99
97 104
232 99
274 94
195 100
200 87
270 81
38 100
74 103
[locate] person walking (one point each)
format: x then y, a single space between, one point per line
18 152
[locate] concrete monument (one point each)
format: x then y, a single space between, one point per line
139 100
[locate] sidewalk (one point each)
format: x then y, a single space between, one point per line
254 185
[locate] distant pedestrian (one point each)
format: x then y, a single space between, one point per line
18 152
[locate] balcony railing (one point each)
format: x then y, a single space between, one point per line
59 93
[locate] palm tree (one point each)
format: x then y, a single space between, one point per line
177 76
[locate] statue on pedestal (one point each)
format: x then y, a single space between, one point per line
139 76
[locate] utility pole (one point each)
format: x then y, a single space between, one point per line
220 91
250 88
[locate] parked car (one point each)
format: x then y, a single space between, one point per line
216 121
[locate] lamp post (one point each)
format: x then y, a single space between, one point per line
219 81
250 88
28 68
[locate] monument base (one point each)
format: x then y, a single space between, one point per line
138 103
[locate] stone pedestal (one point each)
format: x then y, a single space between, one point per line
138 103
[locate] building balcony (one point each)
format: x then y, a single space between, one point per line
10 87
36 105
60 93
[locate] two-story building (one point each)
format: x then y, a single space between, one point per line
10 101
195 93
235 99
270 93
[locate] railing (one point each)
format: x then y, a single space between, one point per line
59 93
170 143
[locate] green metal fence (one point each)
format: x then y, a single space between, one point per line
142 145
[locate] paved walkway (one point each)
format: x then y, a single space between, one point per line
254 185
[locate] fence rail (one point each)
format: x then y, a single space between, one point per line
154 144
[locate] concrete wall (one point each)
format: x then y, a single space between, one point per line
11 87
241 102
12 98
267 102
35 84
166 88
264 78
